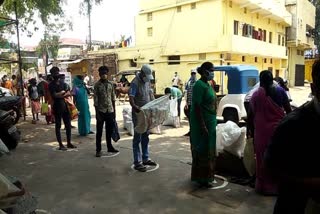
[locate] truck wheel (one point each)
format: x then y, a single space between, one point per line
230 114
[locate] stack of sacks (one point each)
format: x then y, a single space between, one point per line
231 138
173 119
127 120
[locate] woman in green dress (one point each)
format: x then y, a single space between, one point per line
203 123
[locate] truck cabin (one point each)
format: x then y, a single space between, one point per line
240 79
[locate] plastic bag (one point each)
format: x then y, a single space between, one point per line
44 108
249 160
156 130
152 114
237 148
72 108
7 187
3 148
230 133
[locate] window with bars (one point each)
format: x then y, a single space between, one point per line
245 10
270 37
243 58
150 31
230 4
202 56
236 27
149 16
173 60
193 6
179 9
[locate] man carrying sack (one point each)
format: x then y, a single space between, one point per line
140 93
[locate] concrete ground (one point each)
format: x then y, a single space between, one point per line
77 182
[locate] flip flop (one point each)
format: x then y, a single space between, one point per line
70 146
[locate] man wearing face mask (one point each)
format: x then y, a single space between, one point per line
293 154
104 103
140 93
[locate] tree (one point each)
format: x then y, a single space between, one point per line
29 10
49 45
85 9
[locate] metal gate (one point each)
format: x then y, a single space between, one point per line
299 77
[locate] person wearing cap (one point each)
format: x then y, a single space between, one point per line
104 103
175 93
59 91
140 93
203 123
188 89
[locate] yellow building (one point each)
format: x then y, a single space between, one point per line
300 37
178 35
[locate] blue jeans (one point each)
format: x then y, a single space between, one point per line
137 139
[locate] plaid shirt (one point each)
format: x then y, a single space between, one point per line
104 96
189 88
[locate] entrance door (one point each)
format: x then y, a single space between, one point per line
299 77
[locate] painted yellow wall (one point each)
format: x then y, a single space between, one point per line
186 32
306 14
308 69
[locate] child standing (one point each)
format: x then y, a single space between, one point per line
35 99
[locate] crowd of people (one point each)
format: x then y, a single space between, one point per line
284 141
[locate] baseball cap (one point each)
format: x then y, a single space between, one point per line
147 70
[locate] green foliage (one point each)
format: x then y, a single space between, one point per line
50 45
86 6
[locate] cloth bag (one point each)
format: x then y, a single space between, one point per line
115 132
249 160
44 108
71 108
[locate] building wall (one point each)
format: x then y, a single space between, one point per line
306 16
294 59
186 32
234 12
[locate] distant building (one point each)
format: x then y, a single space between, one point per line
70 49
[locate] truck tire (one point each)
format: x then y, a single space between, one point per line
230 114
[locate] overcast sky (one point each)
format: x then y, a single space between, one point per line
109 20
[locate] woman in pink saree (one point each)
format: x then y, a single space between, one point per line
268 106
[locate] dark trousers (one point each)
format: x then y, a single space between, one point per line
102 118
67 123
292 200
179 106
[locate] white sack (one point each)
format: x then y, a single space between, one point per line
173 119
152 114
237 148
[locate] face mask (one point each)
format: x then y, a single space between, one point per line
210 75
145 79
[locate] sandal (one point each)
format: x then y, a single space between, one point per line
71 146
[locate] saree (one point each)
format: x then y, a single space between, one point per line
203 148
267 115
81 99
